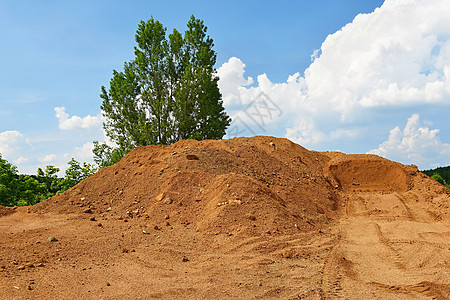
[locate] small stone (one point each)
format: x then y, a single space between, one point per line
109 209
289 253
168 201
52 239
159 197
185 259
88 211
251 217
29 288
167 217
157 227
108 284
92 219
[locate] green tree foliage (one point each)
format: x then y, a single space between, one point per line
105 155
16 190
29 191
8 173
49 178
77 172
20 190
443 172
168 92
438 178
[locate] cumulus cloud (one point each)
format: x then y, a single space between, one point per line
21 160
47 158
82 153
11 142
399 55
232 80
415 144
383 65
76 122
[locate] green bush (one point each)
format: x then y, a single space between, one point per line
436 176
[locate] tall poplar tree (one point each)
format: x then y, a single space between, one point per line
166 93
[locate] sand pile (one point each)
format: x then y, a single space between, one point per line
246 218
251 185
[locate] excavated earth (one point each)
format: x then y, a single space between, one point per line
246 218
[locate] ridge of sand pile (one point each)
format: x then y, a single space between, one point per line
242 185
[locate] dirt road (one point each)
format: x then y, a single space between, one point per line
389 247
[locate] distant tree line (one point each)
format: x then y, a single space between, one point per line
441 175
20 190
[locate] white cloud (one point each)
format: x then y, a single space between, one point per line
384 65
232 80
399 55
47 158
21 160
415 144
83 153
75 122
11 142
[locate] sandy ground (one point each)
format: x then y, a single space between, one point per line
276 222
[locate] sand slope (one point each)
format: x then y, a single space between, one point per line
246 218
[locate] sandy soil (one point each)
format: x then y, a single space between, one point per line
247 218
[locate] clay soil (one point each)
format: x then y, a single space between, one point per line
246 218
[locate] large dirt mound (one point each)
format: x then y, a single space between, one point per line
241 185
246 218
260 184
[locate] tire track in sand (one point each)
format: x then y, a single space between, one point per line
367 263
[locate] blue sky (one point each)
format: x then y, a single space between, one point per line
377 83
